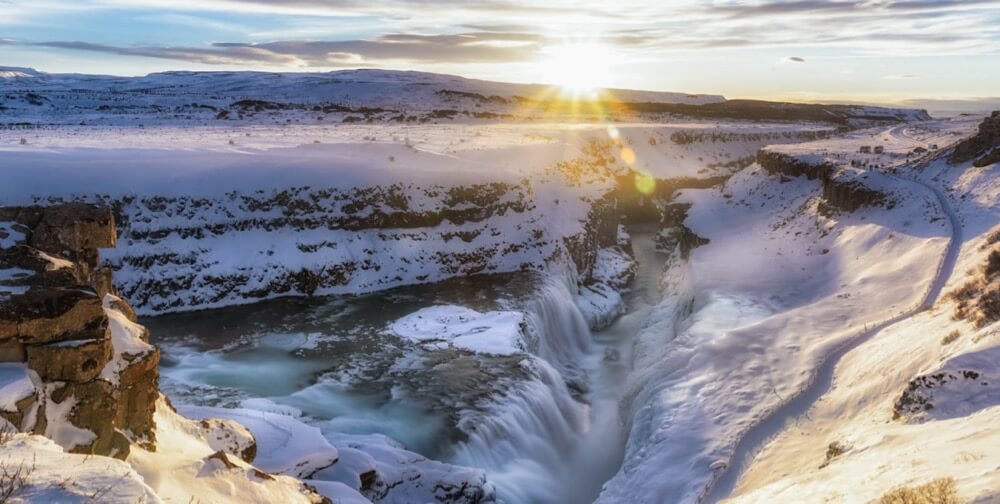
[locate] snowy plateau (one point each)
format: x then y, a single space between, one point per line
401 287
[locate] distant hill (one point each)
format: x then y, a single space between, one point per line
31 98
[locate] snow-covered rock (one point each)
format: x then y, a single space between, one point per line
41 471
495 332
353 466
918 400
187 465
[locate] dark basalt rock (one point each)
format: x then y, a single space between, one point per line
94 401
983 147
840 193
51 315
674 234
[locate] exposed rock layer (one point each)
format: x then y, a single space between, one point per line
982 148
842 188
54 320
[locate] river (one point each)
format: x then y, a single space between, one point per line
545 426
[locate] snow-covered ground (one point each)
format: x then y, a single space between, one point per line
268 200
779 287
298 97
235 223
879 449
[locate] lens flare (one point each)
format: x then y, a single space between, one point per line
628 155
645 183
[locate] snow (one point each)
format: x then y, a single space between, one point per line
181 469
126 339
613 267
601 301
753 313
210 231
493 332
52 475
9 236
58 426
747 325
15 384
54 263
333 462
600 304
284 444
338 492
953 439
297 97
13 275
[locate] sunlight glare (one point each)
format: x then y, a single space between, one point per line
580 69
645 183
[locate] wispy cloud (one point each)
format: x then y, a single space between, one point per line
492 37
478 47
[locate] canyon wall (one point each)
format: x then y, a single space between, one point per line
844 188
85 374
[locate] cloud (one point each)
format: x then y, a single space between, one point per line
790 60
473 47
899 77
301 33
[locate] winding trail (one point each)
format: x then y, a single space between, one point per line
759 435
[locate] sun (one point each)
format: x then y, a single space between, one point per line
579 68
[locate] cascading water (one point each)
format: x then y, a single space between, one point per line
544 426
540 444
522 440
522 443
557 327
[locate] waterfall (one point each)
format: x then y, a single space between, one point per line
556 327
527 432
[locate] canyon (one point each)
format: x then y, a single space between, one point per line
670 303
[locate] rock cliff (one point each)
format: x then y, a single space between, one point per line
844 188
87 375
983 148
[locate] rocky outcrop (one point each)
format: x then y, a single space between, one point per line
984 147
842 192
674 235
599 230
844 189
90 381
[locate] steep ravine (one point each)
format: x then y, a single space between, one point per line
599 453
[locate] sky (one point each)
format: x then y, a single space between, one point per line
882 51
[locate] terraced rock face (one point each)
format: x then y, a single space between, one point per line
983 148
844 189
179 253
243 244
84 373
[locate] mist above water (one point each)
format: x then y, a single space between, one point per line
544 426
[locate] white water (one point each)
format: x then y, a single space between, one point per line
523 441
600 452
538 439
562 336
541 445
